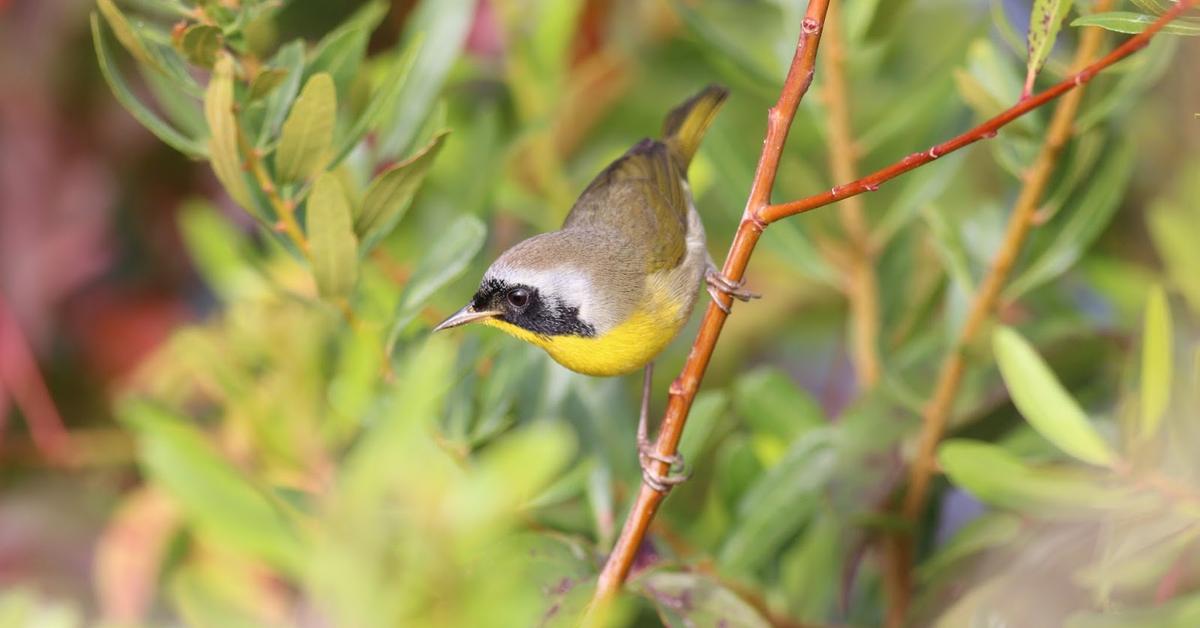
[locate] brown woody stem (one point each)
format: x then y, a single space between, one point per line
862 288
983 303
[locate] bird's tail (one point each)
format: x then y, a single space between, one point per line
685 125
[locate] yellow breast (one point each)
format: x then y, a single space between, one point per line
625 348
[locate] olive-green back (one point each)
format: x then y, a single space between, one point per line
642 195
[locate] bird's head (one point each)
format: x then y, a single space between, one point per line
531 291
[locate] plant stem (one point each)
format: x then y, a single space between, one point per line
862 288
285 210
759 213
683 389
1021 221
986 130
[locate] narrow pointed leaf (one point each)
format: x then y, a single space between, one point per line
340 53
217 498
308 131
289 59
140 112
1044 24
1156 361
126 34
384 99
222 124
1043 402
444 262
996 477
390 194
1090 212
444 25
331 239
1134 23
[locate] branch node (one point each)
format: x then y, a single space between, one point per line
756 223
676 388
810 26
933 153
872 186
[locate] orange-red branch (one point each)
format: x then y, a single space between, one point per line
986 130
683 389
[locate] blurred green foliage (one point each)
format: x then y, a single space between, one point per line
323 460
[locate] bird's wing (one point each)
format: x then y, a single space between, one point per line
641 196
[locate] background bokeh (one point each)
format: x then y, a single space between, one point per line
189 432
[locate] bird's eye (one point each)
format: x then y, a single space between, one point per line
518 298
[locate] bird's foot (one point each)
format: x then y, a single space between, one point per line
677 472
719 284
647 456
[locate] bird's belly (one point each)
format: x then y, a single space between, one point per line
625 348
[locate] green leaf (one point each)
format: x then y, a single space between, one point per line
223 145
201 43
919 189
124 95
180 108
1156 361
1133 23
1044 403
307 133
739 59
687 599
443 262
332 245
989 83
444 25
126 34
390 194
779 503
341 51
707 412
1076 232
773 405
290 59
1139 73
266 82
1044 24
805 569
998 478
215 496
990 530
1173 228
1176 613
385 98
217 250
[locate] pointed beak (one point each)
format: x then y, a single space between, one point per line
464 316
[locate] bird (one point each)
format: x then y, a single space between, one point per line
609 290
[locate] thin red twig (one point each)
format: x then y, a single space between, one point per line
986 130
20 377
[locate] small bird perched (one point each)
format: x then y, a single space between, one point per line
608 291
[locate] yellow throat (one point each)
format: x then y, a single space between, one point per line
623 349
